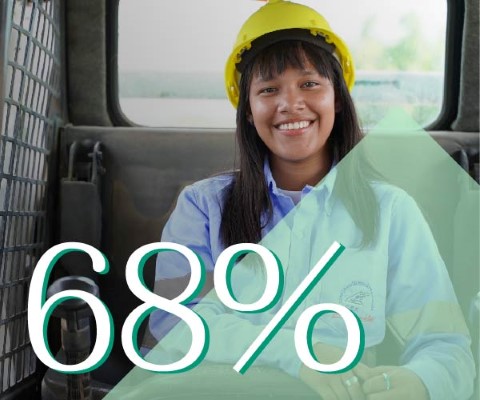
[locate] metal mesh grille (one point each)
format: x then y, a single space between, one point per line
28 130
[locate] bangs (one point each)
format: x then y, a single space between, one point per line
275 59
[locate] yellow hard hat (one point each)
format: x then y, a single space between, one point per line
283 20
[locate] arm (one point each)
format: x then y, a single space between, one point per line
187 225
422 310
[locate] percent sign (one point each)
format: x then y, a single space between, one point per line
303 328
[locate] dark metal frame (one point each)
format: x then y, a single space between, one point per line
117 116
5 26
453 52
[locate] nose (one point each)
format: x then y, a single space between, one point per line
291 100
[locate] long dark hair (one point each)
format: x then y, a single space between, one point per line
247 208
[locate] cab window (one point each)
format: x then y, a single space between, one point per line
171 61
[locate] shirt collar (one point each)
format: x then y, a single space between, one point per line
326 185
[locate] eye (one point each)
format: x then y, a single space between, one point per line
267 90
310 84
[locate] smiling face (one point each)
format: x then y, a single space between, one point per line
294 113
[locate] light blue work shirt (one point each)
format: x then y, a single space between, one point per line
398 280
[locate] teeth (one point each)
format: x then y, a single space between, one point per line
294 125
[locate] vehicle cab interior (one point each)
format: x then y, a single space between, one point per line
102 128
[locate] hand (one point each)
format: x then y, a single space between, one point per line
345 386
392 383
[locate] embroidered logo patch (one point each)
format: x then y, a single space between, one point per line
358 297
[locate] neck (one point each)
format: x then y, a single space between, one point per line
290 175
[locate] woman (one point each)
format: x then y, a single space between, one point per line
297 189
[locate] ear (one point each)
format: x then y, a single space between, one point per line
250 117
